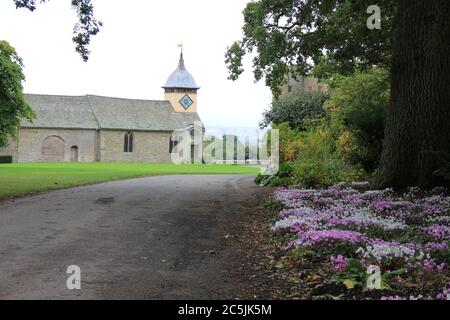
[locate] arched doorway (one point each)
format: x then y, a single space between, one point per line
53 149
74 154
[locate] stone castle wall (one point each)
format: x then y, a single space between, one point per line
10 150
147 147
54 145
303 84
31 144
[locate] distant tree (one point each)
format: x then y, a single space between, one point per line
295 108
13 107
86 27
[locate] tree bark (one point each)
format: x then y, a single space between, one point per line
417 137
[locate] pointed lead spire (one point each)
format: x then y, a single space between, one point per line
181 78
181 65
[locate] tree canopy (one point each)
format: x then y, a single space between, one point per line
296 109
290 36
86 27
13 106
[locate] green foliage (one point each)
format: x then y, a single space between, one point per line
344 144
295 109
290 36
6 159
272 205
285 170
357 276
283 178
312 158
289 141
260 178
13 106
318 173
326 70
233 59
317 165
358 108
86 27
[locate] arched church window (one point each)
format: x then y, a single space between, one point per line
173 144
128 142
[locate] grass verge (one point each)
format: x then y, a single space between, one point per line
20 179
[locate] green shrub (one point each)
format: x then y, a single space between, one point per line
281 182
6 159
357 109
283 178
318 173
290 142
272 204
295 109
285 170
336 141
260 179
318 165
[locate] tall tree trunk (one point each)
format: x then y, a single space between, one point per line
417 137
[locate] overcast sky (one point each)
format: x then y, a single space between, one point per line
136 51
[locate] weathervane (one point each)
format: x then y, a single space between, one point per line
180 45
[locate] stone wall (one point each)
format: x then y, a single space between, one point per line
10 150
305 84
105 146
147 147
31 143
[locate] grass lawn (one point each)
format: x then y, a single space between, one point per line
19 179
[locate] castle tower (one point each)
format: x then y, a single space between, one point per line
181 90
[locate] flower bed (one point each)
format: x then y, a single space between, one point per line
397 243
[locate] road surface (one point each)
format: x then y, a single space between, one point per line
161 237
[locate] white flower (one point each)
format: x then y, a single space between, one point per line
387 251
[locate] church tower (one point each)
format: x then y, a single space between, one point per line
181 90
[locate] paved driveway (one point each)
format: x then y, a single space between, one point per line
161 237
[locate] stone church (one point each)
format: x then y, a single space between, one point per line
94 128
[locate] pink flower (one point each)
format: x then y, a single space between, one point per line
393 298
384 204
441 296
339 262
438 232
429 265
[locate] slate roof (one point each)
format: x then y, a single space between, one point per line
96 112
181 78
60 112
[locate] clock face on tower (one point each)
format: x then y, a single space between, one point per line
186 102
